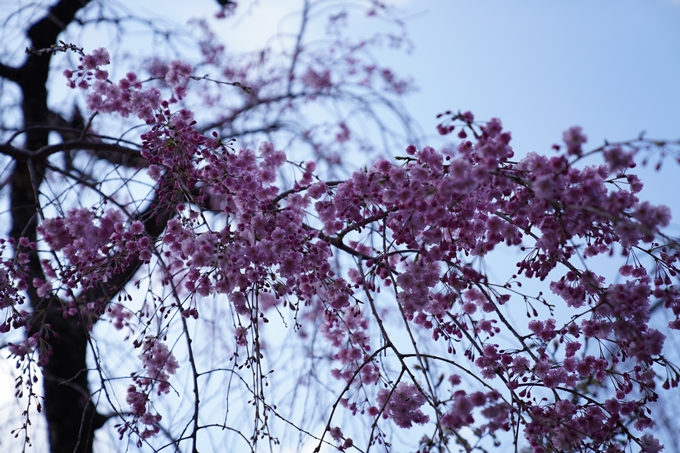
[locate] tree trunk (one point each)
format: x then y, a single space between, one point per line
71 417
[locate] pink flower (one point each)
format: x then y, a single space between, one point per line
137 400
159 362
403 406
98 57
344 134
336 433
26 346
618 159
545 186
650 444
178 73
574 138
317 81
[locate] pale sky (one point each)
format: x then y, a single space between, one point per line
611 66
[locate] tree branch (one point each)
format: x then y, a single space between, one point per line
9 73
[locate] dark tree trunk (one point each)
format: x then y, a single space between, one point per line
71 417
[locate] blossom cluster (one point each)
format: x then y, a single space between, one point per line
433 212
13 282
127 97
402 404
94 246
159 363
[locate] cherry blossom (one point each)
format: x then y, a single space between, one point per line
412 233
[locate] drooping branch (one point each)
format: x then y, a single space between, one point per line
155 220
45 32
99 149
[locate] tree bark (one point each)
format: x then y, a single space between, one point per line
71 416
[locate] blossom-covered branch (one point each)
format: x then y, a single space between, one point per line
418 229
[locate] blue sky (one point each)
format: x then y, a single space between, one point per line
610 66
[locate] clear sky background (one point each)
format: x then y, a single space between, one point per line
610 66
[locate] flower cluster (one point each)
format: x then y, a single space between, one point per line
13 282
159 364
435 215
402 405
127 97
94 247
